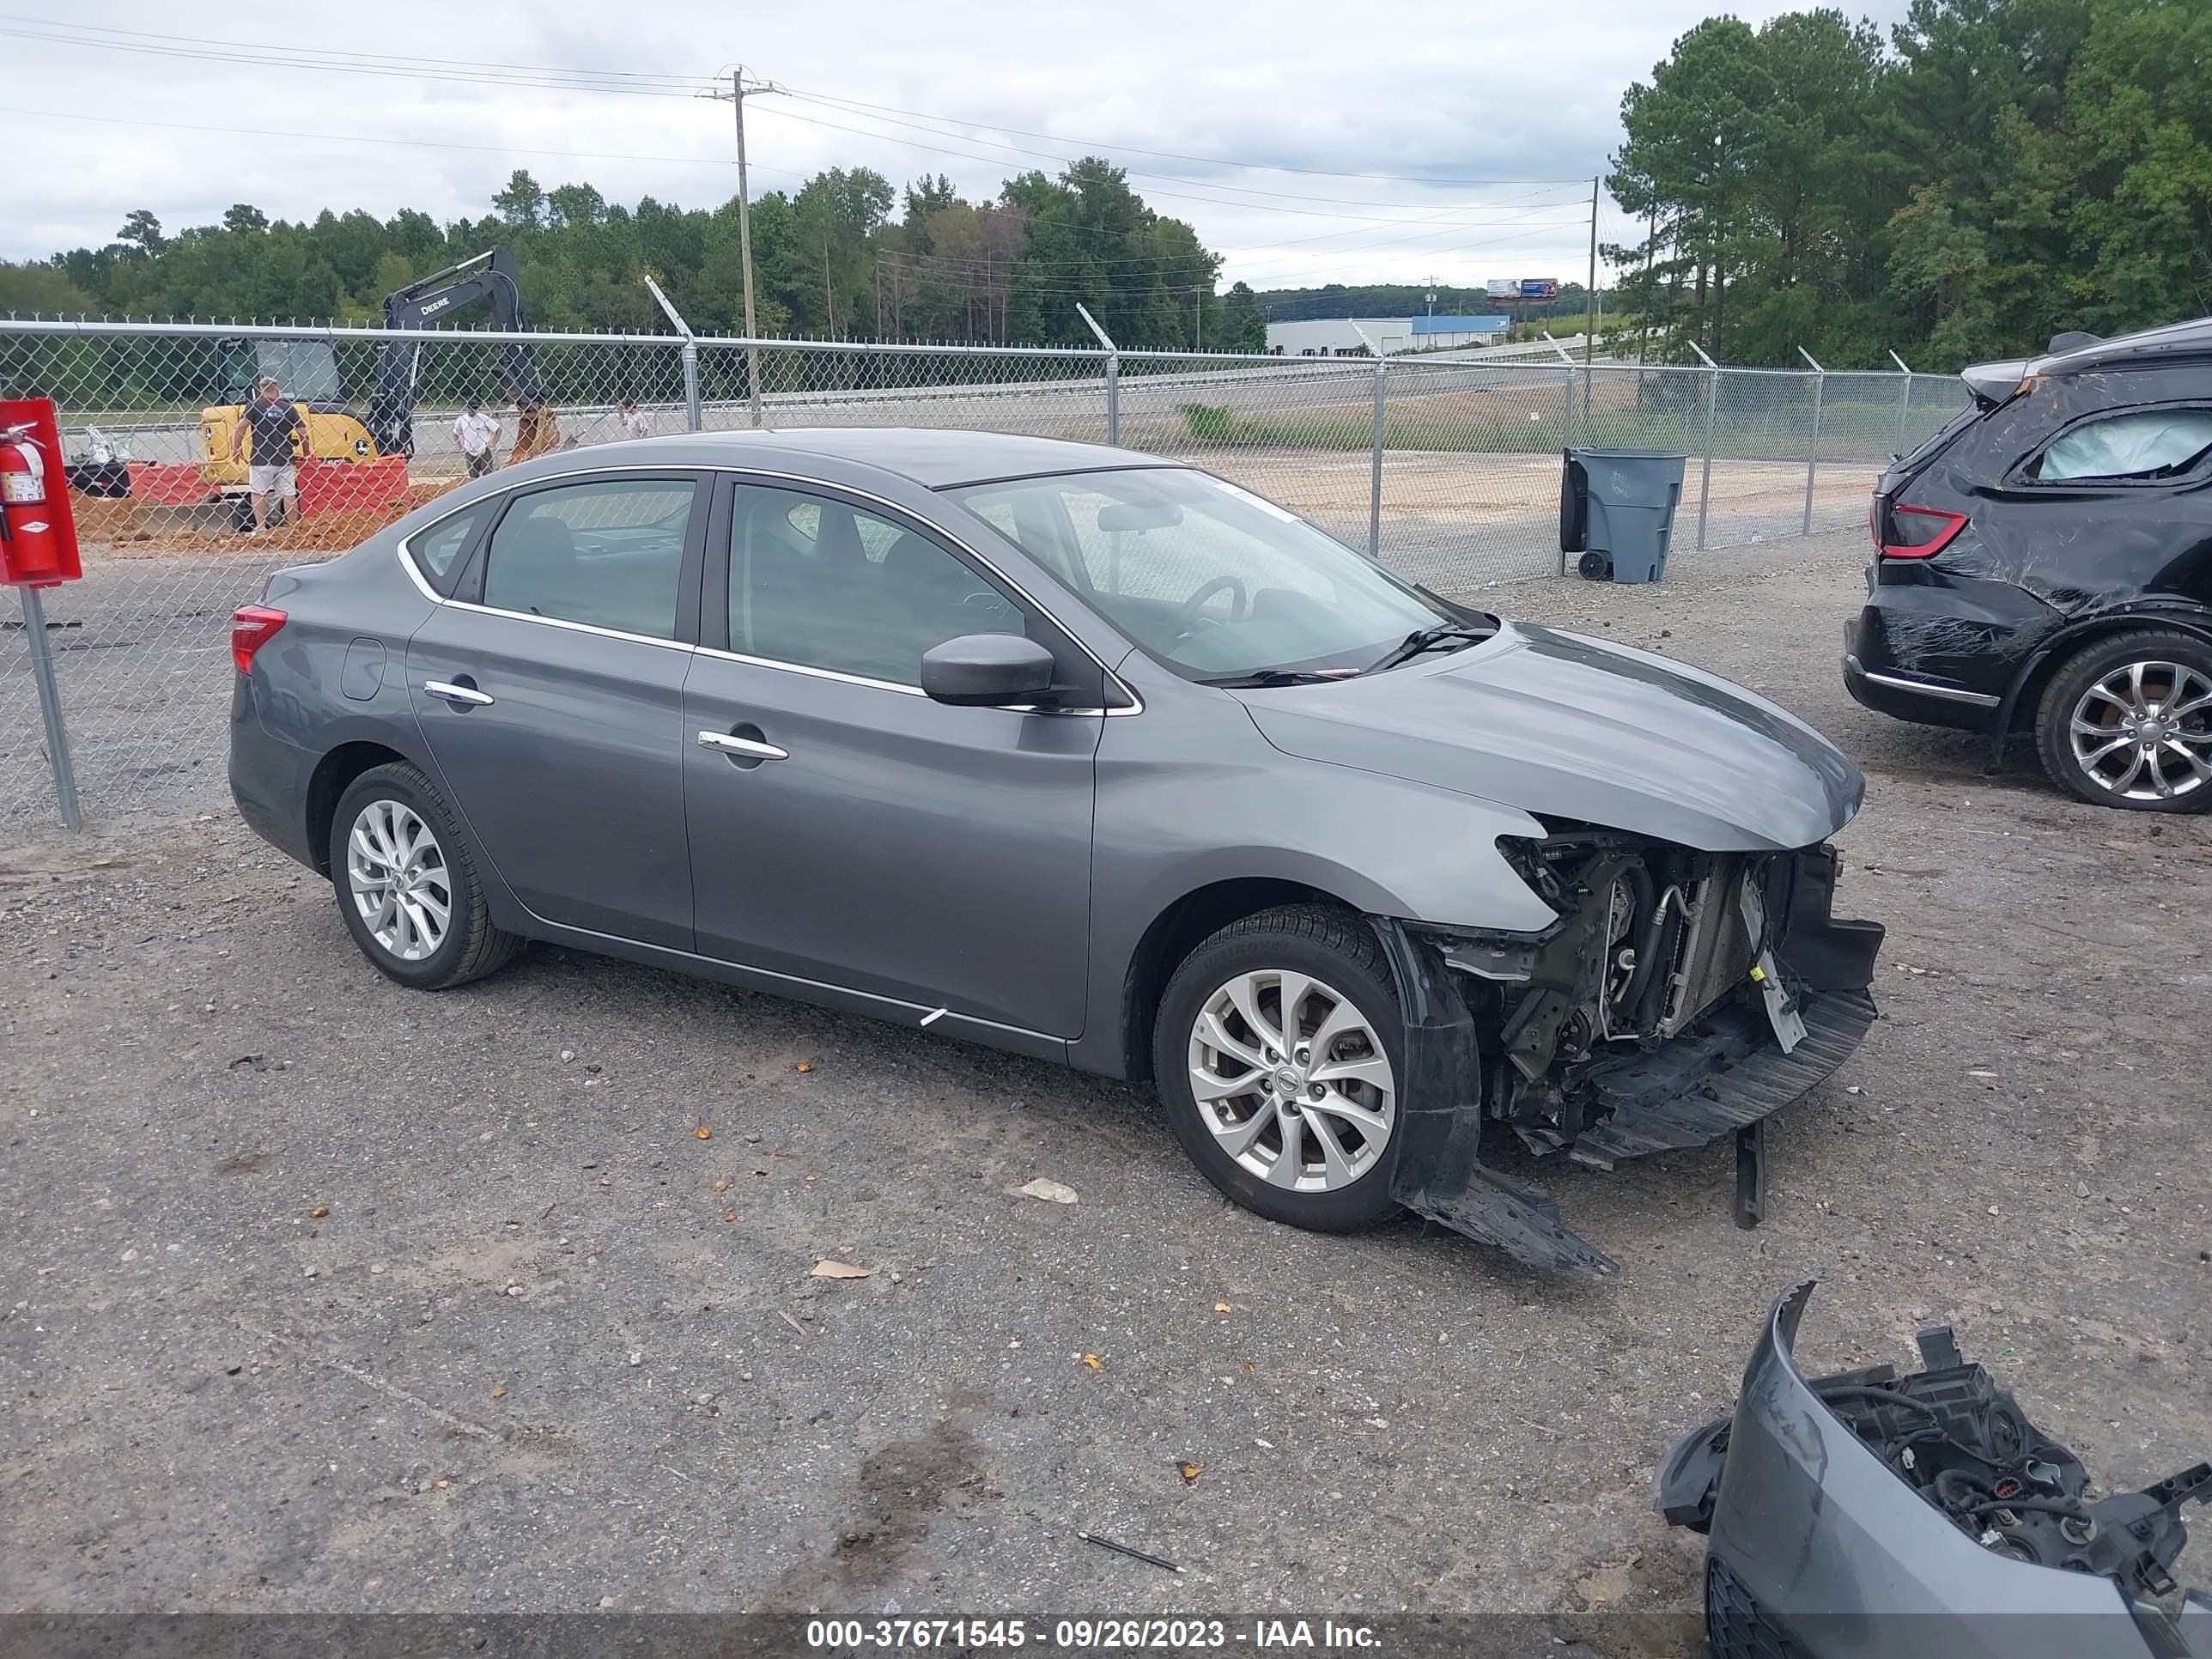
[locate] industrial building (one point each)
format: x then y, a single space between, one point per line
1336 337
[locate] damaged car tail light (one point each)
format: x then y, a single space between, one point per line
251 626
1916 533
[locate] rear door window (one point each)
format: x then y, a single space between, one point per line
435 550
607 551
2146 444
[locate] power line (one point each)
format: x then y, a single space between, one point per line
411 143
1170 155
1209 201
1016 149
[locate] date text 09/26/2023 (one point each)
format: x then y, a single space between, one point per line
1112 1635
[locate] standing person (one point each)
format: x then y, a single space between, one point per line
633 423
273 423
476 433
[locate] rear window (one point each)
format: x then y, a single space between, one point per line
1934 445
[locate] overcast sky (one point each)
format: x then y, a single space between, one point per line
1467 92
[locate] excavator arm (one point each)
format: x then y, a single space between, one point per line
489 278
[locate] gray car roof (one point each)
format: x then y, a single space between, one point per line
1995 381
931 457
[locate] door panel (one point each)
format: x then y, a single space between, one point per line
559 730
572 775
846 829
939 856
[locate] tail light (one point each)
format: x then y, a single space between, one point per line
1934 531
251 626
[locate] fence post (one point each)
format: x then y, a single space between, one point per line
50 706
691 358
1712 423
1905 403
1569 361
1812 455
1113 374
1374 467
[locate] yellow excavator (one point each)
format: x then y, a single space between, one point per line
308 371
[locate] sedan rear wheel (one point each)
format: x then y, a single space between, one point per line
2127 723
407 885
1278 1052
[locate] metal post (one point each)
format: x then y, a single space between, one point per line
1113 374
690 356
1374 467
49 707
1813 456
1712 423
1905 403
1569 440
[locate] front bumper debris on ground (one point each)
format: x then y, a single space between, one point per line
1921 1516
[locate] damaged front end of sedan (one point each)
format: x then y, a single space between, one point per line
1920 1516
1680 996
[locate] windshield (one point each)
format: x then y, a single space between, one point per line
1208 579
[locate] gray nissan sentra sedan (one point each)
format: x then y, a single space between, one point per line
1089 756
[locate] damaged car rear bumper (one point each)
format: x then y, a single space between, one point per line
1820 1549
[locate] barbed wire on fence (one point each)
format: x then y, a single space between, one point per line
1451 466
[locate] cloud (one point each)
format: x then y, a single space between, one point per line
1421 93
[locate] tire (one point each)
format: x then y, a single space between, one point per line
1341 1182
1595 566
2115 684
390 804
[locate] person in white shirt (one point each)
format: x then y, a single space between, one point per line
476 433
632 421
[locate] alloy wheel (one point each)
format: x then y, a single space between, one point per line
397 873
2144 731
1292 1080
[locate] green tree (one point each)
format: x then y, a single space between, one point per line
244 219
522 204
1243 325
143 231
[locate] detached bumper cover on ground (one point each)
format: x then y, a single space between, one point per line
1919 1517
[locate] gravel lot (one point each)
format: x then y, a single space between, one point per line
322 1295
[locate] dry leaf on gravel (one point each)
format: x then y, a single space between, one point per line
1190 1472
726 1183
1223 1307
318 1211
841 1270
732 1216
806 1066
500 1392
704 1132
1094 1362
1052 1192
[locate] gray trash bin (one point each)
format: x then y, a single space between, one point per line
1617 510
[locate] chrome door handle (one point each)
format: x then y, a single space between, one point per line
724 744
460 694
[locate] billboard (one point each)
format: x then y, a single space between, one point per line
1540 288
1502 289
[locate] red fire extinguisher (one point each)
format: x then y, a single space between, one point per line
38 540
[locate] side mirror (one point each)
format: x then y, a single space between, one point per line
982 670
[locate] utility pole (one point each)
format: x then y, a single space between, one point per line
1589 333
739 89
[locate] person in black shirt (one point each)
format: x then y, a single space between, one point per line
272 421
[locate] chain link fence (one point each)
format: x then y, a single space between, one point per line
1448 471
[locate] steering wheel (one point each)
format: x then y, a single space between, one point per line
1187 616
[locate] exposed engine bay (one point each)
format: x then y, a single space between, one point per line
1652 938
1679 996
1950 1433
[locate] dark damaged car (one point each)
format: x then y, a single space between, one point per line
2043 567
1921 1516
1086 755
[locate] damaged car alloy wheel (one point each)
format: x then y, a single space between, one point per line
2137 719
1276 1065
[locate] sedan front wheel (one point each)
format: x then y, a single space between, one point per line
1278 1052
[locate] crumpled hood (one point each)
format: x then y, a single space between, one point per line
1568 726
